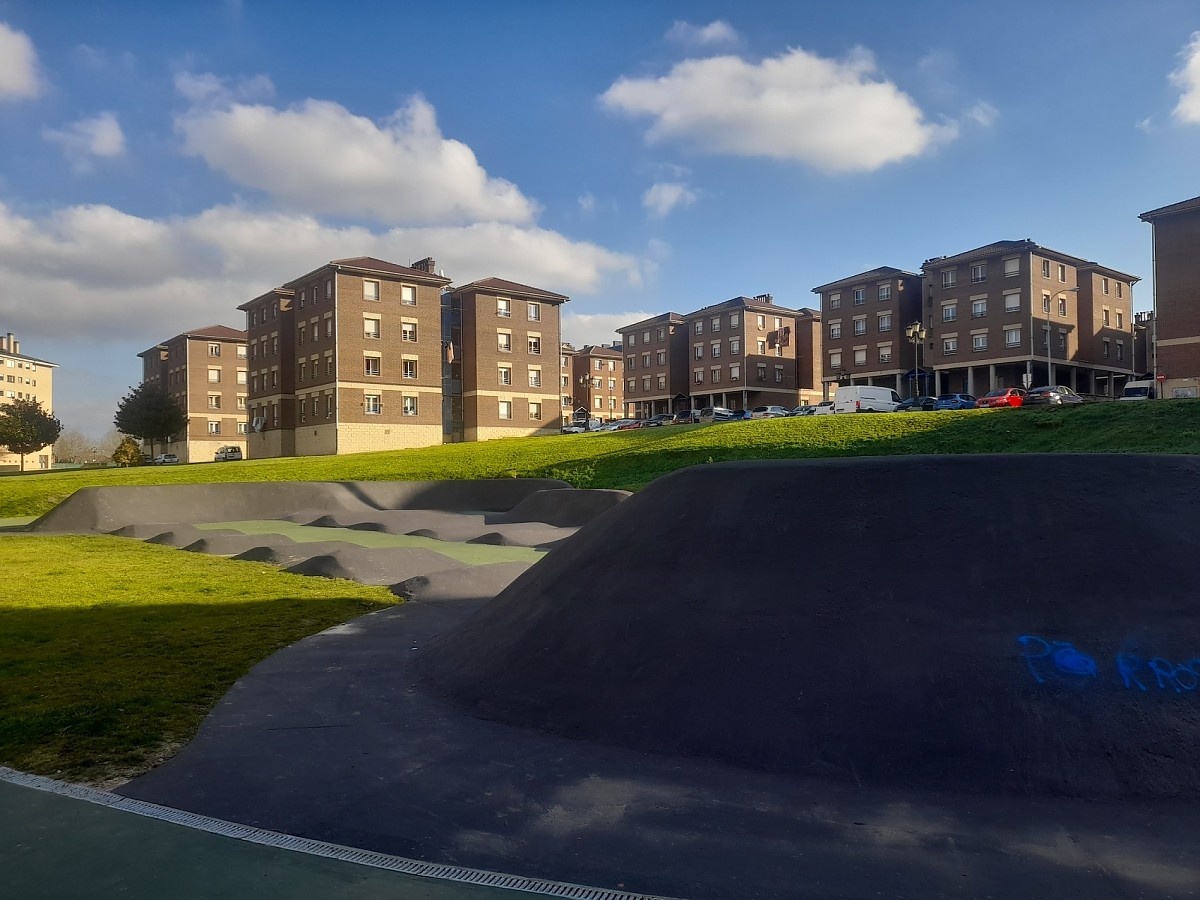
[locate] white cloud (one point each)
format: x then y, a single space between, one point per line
207 89
98 137
317 157
837 116
113 275
587 203
18 65
718 32
665 196
581 329
1187 79
983 113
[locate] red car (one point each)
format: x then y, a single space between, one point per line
1001 397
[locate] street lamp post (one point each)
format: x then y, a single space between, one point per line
1048 327
585 381
916 333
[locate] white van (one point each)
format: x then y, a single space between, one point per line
851 398
1139 390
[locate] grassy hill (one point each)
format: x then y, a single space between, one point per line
631 459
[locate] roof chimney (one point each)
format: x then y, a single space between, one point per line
10 343
764 298
426 265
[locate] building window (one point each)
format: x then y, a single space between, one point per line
1104 285
1107 348
1012 267
241 351
1062 273
408 294
370 291
1062 341
1062 307
215 349
884 322
714 349
645 382
371 329
241 402
950 312
978 309
735 373
835 360
697 376
408 332
1045 303
1105 317
243 427
885 292
503 307
714 375
698 327
329 406
762 345
535 378
409 406
662 384
505 375
760 371
662 334
949 345
735 347
835 301
372 404
1012 337
241 376
662 357
1120 350
214 401
371 366
1045 268
274 346
535 346
329 326
633 340
860 326
835 332
1120 320
979 342
645 337
504 342
1120 290
300 335
328 365
885 354
860 359
1012 303
631 362
978 273
214 376
645 360
535 411
949 278
733 320
408 368
534 311
860 296
214 427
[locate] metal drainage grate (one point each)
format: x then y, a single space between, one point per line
318 848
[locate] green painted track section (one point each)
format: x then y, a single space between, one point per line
470 554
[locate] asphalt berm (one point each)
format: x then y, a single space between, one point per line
913 677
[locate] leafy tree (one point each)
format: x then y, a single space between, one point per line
25 427
128 453
150 413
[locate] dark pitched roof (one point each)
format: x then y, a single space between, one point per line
1181 206
216 332
1025 246
667 318
750 303
596 350
371 264
27 358
872 275
501 286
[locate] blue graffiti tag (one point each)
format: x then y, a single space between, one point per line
1058 659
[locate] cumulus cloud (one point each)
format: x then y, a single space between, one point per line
113 275
207 89
99 137
983 113
835 115
718 32
318 157
1187 79
581 329
18 65
665 196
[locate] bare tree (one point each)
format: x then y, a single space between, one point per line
75 447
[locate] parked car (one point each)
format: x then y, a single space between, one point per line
626 424
147 459
613 425
579 426
658 419
687 417
1053 395
954 401
227 454
853 398
718 414
166 459
824 408
1001 397
803 410
1146 389
769 412
917 404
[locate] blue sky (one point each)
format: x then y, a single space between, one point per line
162 163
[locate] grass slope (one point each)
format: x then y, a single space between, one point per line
631 459
112 650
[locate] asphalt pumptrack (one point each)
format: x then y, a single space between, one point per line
925 677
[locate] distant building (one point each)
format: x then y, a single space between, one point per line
597 381
24 377
656 353
1176 337
205 371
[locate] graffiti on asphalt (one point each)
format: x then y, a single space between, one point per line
1063 662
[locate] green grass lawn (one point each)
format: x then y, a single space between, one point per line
112 650
632 459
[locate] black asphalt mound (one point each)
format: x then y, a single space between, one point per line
564 507
110 508
466 583
374 565
1010 625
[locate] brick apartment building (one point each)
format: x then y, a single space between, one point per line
1175 231
596 379
24 377
505 338
1013 312
206 372
864 318
740 353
